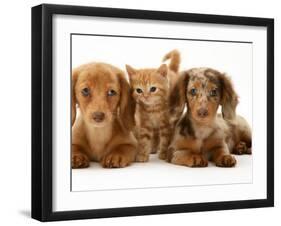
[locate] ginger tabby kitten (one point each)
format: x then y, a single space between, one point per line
151 88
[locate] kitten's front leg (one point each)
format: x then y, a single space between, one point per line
165 136
144 144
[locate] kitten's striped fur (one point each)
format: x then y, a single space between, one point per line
151 88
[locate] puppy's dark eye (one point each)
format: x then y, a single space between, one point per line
138 90
193 91
153 89
85 92
213 93
111 93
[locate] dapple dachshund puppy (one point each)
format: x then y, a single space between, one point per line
200 133
103 130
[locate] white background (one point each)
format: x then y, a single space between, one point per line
15 116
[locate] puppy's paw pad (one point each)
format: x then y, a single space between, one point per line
79 161
226 161
142 158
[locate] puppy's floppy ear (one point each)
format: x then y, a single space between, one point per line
177 97
229 98
127 104
73 94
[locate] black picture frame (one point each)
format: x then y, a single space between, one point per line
42 111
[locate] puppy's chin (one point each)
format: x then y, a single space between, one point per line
99 124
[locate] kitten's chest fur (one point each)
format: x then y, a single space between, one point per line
153 114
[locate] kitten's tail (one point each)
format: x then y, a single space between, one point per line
174 57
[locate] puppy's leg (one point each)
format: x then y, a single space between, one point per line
222 157
144 144
120 156
165 136
78 158
188 158
244 144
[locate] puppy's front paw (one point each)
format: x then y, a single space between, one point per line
226 161
187 159
142 157
79 160
116 159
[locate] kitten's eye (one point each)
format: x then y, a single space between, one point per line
111 93
85 92
213 93
153 89
139 90
193 91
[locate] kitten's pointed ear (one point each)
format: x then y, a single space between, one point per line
131 71
163 70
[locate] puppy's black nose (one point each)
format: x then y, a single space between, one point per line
202 112
98 116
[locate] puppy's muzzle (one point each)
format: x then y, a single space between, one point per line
202 112
98 116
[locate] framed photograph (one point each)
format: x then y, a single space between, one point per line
146 112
